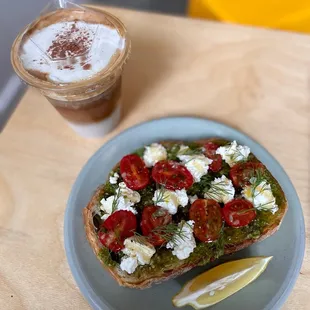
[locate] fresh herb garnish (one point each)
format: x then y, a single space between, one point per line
193 145
172 153
238 157
161 195
190 152
217 191
175 151
158 213
171 232
261 208
115 200
256 180
202 186
257 177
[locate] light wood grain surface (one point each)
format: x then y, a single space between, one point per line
254 80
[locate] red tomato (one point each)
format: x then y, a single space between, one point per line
110 240
210 148
239 212
241 173
116 228
172 175
134 172
208 219
152 217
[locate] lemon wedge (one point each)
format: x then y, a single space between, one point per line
220 282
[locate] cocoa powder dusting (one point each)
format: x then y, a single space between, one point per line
68 67
87 67
71 43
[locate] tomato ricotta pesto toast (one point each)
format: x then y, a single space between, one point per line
171 206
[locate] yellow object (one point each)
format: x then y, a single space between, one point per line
220 282
280 14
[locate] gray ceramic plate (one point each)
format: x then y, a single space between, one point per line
269 291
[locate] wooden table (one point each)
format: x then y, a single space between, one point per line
252 79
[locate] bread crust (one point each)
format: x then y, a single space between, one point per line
144 281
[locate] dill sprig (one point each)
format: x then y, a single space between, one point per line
262 207
141 239
115 200
160 212
195 157
257 175
190 152
161 195
237 156
261 190
169 233
217 191
256 178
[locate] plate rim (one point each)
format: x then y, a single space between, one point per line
275 303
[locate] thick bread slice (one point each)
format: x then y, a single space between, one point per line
146 280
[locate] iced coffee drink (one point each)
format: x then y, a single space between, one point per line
75 57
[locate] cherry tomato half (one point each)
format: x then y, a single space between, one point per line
110 240
208 219
241 173
172 175
239 212
116 228
216 164
152 217
134 172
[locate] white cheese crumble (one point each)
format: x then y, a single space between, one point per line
170 200
260 195
124 199
197 165
184 242
138 252
192 199
153 154
221 190
233 153
113 178
129 264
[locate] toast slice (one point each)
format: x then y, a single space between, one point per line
164 265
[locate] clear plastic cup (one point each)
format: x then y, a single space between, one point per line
75 57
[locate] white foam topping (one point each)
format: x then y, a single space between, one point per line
71 51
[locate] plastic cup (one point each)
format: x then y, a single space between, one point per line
75 57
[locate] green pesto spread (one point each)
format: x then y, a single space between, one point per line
105 256
163 261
